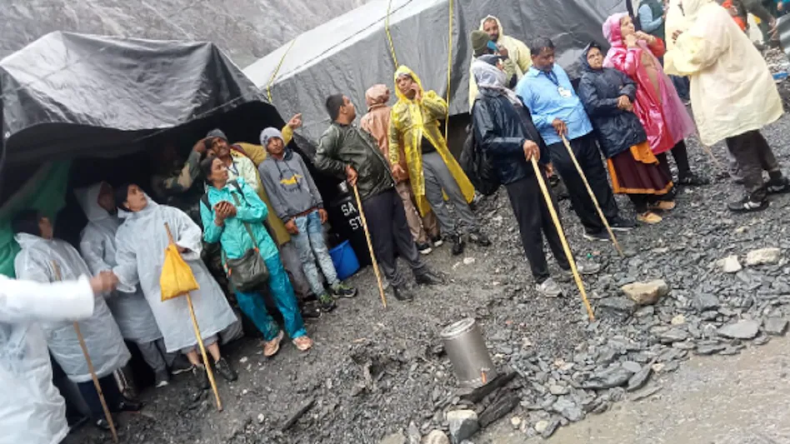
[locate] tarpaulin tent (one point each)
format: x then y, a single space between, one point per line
68 96
353 51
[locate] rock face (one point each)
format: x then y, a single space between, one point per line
743 329
730 264
764 256
463 424
646 293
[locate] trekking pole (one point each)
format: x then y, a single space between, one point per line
556 219
592 196
370 246
90 367
206 362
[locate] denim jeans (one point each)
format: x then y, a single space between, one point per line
311 247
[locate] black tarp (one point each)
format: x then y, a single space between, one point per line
69 95
352 52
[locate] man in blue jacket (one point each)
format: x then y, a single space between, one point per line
557 111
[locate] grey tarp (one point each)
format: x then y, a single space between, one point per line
71 94
352 52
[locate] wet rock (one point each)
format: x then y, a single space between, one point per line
743 329
612 377
639 379
463 424
568 409
673 335
764 256
436 437
730 264
646 293
395 438
776 326
618 308
706 302
498 409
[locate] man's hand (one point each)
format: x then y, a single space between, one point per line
624 103
104 282
560 127
291 227
676 34
631 41
417 91
323 215
397 170
351 176
200 146
502 51
296 122
531 150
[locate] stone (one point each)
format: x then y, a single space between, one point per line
730 264
515 422
550 428
639 379
498 409
776 326
645 394
616 307
646 293
678 320
414 434
541 426
743 329
632 366
395 438
764 256
610 378
568 409
436 437
463 424
673 335
261 418
706 302
558 390
469 260
709 349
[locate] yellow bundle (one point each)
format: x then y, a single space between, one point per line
176 278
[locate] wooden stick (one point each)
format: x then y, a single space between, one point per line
90 367
206 362
565 246
710 153
592 196
370 246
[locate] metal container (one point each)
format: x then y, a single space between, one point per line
467 350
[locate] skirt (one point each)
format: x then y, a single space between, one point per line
637 171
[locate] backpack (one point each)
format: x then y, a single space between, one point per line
478 165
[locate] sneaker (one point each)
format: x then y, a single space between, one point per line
458 244
692 180
180 365
310 311
620 224
224 370
270 348
480 238
424 248
303 343
128 405
201 375
327 303
429 278
601 236
649 218
102 425
549 289
662 205
780 185
584 268
161 379
437 241
341 290
402 293
747 205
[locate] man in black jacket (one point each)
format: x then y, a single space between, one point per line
349 153
505 132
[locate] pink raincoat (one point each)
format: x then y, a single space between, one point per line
666 120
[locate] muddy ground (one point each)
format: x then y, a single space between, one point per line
375 371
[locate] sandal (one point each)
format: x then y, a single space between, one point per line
649 218
303 343
663 205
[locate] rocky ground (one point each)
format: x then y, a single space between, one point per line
376 372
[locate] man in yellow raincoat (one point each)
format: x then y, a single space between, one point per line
434 172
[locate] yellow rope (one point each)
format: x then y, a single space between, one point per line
389 36
449 72
277 70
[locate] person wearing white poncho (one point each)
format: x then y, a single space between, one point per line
131 310
45 259
141 242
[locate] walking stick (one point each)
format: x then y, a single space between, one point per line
712 157
370 246
90 367
565 246
206 362
592 196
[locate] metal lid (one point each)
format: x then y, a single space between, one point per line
458 328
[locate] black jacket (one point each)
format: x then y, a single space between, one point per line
343 145
501 130
599 91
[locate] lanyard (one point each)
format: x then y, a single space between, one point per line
233 168
553 77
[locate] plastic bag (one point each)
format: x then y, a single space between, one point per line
176 278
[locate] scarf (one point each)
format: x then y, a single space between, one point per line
492 78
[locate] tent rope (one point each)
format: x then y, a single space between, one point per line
449 71
277 70
389 36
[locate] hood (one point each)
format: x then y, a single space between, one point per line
611 29
691 8
88 199
487 75
490 17
152 206
375 95
26 240
586 65
406 70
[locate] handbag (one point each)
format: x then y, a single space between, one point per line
249 271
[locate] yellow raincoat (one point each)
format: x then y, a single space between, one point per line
732 90
410 121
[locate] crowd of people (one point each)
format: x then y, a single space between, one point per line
235 207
